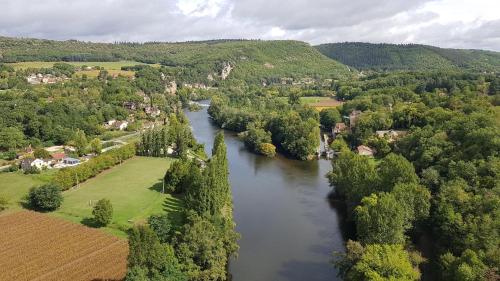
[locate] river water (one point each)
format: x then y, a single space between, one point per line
288 228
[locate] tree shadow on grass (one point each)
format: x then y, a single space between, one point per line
174 207
90 222
158 186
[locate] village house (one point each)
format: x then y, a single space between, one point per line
391 135
353 117
39 78
68 161
365 150
29 163
339 128
57 157
120 125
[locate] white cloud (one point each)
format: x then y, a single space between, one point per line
446 23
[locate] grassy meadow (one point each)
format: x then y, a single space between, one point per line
133 189
14 186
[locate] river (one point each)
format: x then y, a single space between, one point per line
288 228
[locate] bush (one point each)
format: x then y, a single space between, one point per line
32 170
9 155
41 153
103 212
13 168
3 203
46 197
267 149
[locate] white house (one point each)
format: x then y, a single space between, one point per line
40 164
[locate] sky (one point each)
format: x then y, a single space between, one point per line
471 24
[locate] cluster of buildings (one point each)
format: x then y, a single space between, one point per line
113 124
39 78
57 161
390 135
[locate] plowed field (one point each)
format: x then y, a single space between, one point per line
35 246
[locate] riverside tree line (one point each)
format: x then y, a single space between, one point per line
196 246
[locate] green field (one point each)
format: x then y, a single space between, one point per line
108 65
113 67
14 186
133 189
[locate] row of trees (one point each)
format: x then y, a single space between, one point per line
200 247
176 136
68 177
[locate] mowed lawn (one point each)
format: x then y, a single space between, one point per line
133 189
16 185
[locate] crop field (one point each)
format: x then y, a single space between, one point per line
133 189
40 247
113 67
321 102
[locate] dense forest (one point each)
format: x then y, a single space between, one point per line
268 119
366 56
439 179
253 61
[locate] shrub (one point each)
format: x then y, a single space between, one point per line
3 203
103 212
41 153
32 170
267 149
13 168
46 197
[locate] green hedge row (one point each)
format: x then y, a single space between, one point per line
69 177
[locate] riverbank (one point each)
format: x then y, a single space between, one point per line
281 209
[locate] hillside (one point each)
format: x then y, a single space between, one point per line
252 60
410 57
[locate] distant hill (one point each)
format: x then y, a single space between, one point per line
253 60
410 57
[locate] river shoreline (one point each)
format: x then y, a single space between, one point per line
288 225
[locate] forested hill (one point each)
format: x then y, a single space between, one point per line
410 57
253 60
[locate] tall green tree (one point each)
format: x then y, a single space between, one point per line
380 220
395 169
80 141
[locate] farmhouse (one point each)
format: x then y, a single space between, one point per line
29 163
120 125
339 128
71 161
365 150
57 157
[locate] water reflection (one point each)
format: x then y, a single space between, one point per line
288 227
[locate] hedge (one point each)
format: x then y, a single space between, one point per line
71 176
